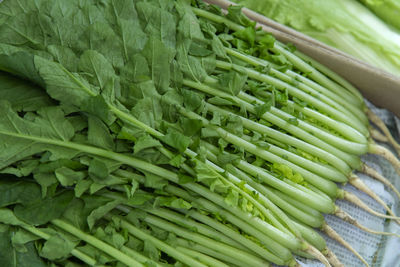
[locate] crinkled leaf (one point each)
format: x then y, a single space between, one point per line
159 57
145 141
232 82
69 177
10 256
176 140
99 134
154 181
98 170
57 247
101 211
40 211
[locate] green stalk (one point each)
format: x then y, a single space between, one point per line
169 175
251 245
317 76
262 197
205 241
75 252
299 193
327 186
192 155
352 160
311 236
139 257
294 59
191 224
320 169
113 252
304 84
308 94
345 130
205 250
332 75
216 18
261 203
133 230
326 136
314 220
251 226
287 139
210 261
299 206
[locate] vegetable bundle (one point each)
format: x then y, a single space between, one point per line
160 133
347 25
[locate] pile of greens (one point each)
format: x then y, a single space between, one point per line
165 133
344 24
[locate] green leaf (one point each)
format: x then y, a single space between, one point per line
232 199
99 212
236 15
293 121
172 202
14 192
136 70
99 134
82 186
190 126
158 22
154 181
176 140
63 85
261 109
8 217
232 82
96 68
159 57
65 56
198 50
98 170
10 256
151 251
192 100
40 211
184 179
22 237
46 181
68 177
16 134
190 66
149 111
22 95
228 158
178 160
247 34
145 141
57 247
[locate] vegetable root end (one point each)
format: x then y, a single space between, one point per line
335 236
386 154
359 184
376 175
318 255
332 258
381 125
347 218
358 202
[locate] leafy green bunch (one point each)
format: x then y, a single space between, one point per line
158 133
